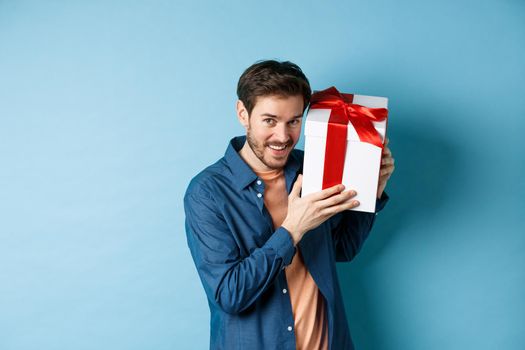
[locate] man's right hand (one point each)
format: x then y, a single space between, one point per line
307 213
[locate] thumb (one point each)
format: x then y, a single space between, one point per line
296 189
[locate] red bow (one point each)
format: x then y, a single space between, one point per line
344 112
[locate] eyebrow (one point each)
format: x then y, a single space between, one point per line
276 117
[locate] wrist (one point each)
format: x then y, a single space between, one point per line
292 232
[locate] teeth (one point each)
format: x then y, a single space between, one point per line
279 148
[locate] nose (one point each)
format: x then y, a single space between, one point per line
281 133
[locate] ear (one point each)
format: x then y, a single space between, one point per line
242 114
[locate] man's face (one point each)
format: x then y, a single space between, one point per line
272 129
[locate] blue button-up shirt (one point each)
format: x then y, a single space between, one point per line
241 257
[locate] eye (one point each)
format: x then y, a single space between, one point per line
269 121
294 122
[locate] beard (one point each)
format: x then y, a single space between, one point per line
259 149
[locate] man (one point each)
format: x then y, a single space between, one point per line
265 255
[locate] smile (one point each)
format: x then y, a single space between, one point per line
277 148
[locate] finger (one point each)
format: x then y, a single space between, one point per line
337 199
386 151
387 140
384 178
330 211
296 189
387 160
327 192
387 169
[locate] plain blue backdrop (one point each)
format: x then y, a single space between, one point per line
108 108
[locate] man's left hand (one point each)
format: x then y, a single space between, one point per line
387 168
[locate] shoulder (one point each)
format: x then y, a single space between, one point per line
207 181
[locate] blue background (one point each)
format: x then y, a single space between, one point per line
107 109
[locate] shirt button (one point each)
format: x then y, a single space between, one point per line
289 328
259 195
259 182
284 291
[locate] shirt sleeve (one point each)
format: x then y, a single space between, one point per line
352 229
231 282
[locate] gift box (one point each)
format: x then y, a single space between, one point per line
344 137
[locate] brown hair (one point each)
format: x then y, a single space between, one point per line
270 77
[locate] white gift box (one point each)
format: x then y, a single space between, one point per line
362 160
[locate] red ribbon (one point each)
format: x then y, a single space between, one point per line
344 112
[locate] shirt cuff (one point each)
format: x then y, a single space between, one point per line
381 202
281 242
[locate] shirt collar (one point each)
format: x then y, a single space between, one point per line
243 175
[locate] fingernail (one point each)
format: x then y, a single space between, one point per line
356 203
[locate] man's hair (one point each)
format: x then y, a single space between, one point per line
267 78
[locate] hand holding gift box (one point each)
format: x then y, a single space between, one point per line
344 137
